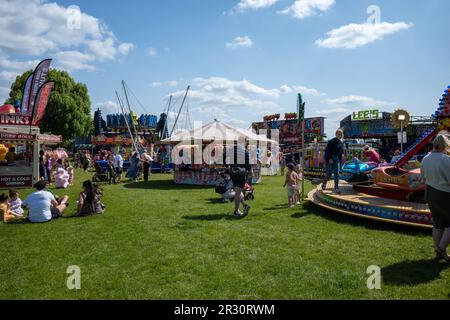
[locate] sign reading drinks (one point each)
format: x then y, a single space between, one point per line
366 115
17 119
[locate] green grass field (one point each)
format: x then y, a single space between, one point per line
158 240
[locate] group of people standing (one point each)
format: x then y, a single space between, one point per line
57 169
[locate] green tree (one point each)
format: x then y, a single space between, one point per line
68 111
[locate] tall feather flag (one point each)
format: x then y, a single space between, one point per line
26 94
41 102
40 76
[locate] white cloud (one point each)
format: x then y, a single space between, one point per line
74 60
237 102
36 28
9 76
126 48
358 35
240 42
107 107
355 102
171 83
301 9
16 65
152 52
308 91
253 5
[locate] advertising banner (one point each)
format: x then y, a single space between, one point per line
26 95
40 76
41 102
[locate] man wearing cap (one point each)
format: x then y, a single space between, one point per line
42 204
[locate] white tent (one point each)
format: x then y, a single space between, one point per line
216 131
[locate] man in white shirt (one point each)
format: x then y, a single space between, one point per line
147 164
118 166
42 204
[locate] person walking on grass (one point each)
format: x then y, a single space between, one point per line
291 183
239 171
436 175
333 159
118 167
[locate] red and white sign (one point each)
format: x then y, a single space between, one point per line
48 138
16 119
16 136
16 181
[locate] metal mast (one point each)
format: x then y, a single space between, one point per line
178 115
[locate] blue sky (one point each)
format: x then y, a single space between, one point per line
243 59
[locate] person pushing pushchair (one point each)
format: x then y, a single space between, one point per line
224 186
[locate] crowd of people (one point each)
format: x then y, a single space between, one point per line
44 206
54 166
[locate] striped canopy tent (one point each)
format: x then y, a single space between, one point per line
216 131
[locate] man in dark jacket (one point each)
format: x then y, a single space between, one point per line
333 159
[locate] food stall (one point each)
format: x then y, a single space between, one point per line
20 144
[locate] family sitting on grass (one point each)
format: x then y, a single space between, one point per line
44 206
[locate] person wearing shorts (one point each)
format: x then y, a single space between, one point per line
238 173
42 204
436 174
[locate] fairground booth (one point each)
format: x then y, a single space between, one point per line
209 144
20 137
20 144
289 135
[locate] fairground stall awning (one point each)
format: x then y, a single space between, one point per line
216 131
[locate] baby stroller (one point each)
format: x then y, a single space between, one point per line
224 187
101 171
248 191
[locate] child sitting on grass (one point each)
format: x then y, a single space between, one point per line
15 203
5 213
291 182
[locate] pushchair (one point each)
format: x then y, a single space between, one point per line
248 191
224 186
101 171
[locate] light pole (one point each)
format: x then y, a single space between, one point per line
401 118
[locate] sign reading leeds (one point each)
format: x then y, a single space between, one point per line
366 115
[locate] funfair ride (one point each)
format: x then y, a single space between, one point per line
396 193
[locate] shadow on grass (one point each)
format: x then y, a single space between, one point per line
161 185
218 201
277 207
412 273
213 217
369 224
